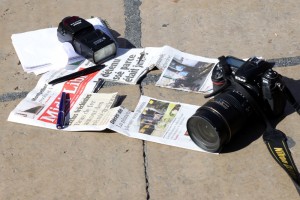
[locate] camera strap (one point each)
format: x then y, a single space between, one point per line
275 140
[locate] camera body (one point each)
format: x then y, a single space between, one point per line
257 77
240 89
87 41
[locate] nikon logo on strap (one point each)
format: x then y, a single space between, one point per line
276 142
282 156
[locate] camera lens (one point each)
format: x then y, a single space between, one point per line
214 123
204 133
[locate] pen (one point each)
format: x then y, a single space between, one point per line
61 112
77 74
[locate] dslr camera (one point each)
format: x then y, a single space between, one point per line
241 90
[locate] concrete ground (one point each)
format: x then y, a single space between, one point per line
38 163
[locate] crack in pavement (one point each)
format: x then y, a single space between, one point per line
133 29
12 96
133 33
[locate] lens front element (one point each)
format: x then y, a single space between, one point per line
203 134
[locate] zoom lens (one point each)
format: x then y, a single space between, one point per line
214 124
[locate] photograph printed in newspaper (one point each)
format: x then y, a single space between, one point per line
183 71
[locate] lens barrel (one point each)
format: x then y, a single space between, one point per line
214 123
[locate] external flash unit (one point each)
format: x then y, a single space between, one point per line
91 43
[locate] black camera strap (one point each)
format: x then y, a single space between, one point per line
275 140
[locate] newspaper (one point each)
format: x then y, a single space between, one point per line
40 106
153 120
40 51
157 121
183 71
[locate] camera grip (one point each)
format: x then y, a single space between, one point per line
291 99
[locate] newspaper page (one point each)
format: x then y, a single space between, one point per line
129 65
89 111
40 107
158 121
92 112
183 71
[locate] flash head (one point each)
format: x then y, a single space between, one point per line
91 43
